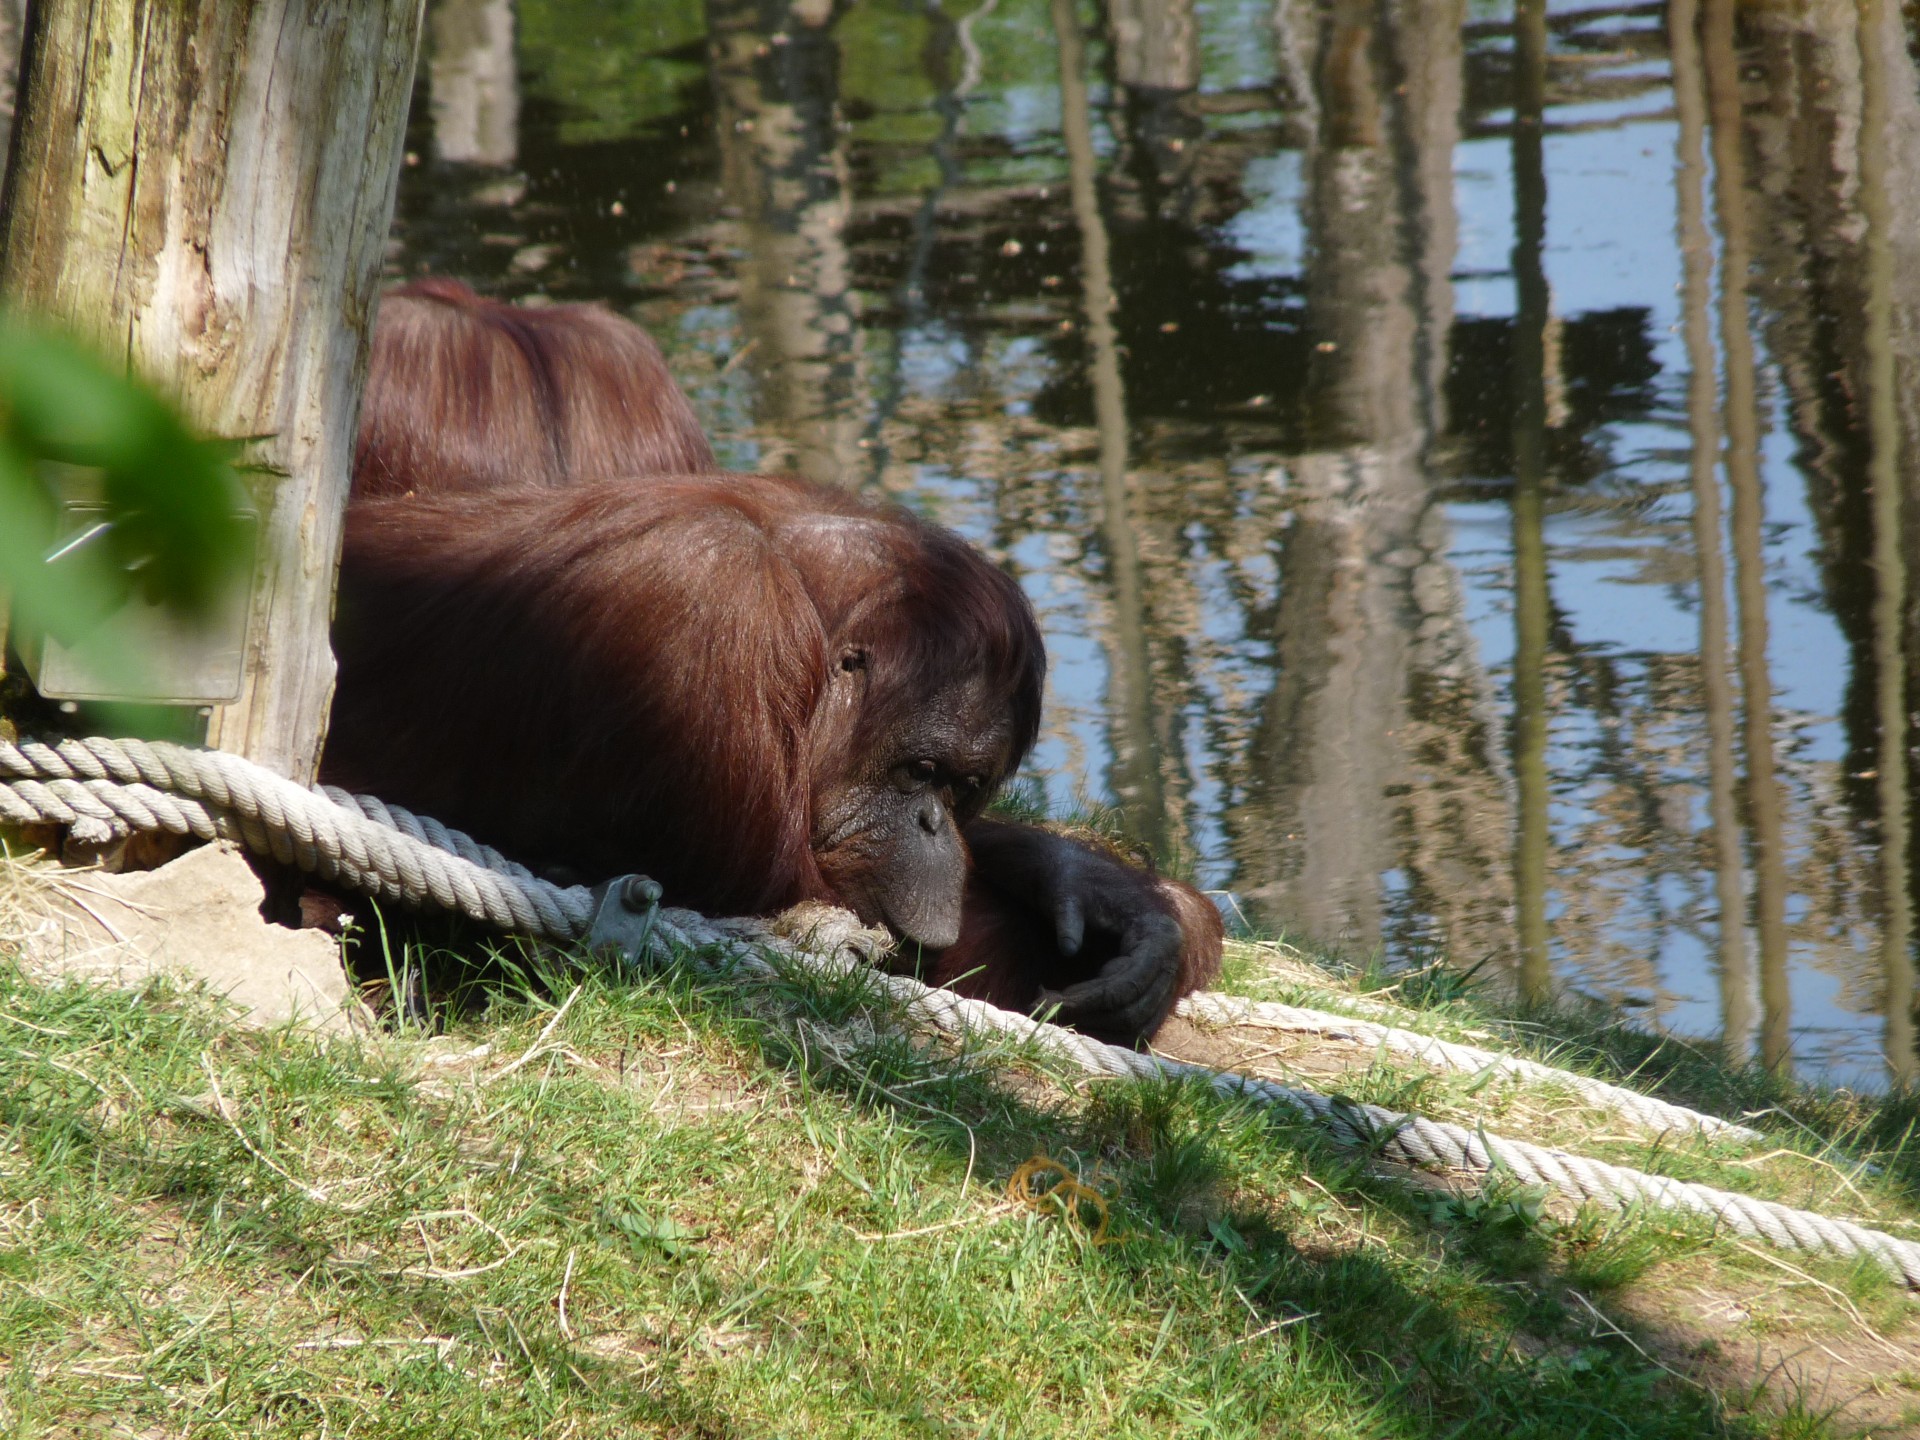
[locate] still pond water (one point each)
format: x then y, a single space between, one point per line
1461 459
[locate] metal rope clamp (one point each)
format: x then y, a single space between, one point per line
624 910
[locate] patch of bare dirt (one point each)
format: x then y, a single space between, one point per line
1759 1337
1260 1050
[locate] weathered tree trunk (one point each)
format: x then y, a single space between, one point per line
204 187
475 88
775 70
13 16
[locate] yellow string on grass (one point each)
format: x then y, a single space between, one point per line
1044 1183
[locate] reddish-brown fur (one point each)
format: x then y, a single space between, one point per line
624 677
466 393
631 676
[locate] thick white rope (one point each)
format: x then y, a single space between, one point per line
106 788
1409 1139
1647 1111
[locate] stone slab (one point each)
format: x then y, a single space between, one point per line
196 918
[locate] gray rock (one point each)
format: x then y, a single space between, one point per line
196 918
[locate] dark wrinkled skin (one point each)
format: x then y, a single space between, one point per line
890 836
907 865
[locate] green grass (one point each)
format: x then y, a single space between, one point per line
764 1215
1872 1139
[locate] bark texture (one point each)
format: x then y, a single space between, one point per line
204 187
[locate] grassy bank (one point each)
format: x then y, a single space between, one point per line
709 1207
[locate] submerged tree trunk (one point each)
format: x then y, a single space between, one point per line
204 187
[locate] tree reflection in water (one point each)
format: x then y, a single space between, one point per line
1364 394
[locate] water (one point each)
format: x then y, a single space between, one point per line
1461 460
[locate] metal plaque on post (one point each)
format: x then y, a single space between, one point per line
140 650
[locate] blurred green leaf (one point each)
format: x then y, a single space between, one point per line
171 500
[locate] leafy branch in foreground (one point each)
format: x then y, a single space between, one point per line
169 526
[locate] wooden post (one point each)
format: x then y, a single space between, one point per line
205 187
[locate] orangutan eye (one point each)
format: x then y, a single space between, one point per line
912 776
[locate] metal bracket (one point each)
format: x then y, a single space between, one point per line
624 910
